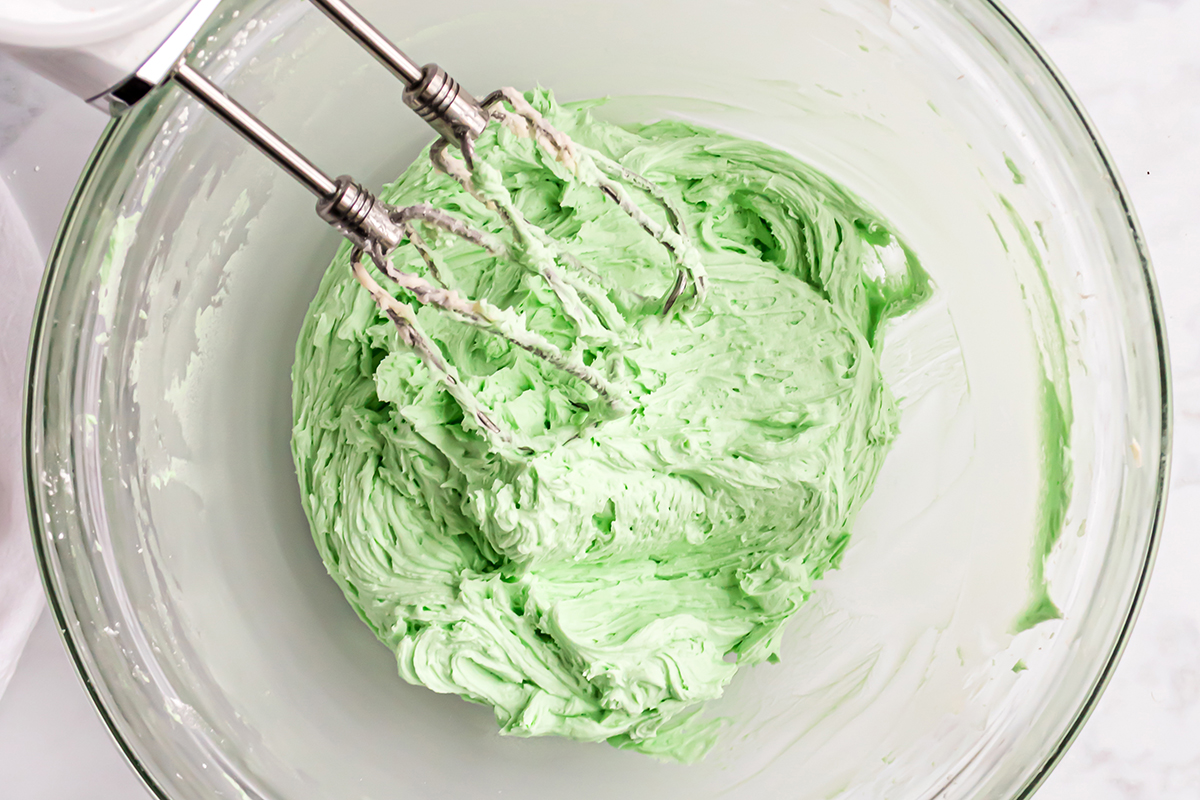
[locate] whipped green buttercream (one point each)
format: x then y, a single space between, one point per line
614 569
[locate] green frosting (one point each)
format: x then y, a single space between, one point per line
614 569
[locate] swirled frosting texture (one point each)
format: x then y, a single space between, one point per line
615 575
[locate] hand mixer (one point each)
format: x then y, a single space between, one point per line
115 52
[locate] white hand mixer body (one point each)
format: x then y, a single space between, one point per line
90 47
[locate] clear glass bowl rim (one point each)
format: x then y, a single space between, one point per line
77 208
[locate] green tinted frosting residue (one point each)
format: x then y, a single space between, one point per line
606 585
1017 177
1057 417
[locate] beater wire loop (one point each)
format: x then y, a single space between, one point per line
589 301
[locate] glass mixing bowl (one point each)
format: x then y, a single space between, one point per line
166 514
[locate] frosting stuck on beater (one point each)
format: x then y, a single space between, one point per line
606 577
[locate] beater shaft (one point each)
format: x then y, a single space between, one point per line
435 96
342 202
235 115
378 45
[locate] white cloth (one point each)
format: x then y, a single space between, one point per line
21 597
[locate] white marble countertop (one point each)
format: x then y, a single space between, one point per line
1136 66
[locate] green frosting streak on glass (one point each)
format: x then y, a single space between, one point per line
1057 417
608 584
1017 177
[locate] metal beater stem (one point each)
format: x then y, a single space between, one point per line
258 134
341 202
372 40
429 90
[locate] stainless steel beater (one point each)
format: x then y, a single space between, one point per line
377 229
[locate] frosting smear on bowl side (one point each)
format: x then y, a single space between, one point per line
613 571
